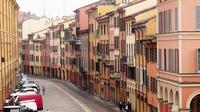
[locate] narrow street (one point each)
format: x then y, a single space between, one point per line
62 96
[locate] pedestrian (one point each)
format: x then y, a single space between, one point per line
124 104
43 90
130 108
47 110
120 106
126 108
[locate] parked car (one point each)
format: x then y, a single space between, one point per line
27 90
21 93
29 82
14 97
12 108
31 86
36 97
29 105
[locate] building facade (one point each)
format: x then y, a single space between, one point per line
178 56
9 39
93 13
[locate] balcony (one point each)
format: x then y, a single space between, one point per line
105 57
115 75
83 70
73 61
116 52
110 63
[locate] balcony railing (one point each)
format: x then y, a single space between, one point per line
115 75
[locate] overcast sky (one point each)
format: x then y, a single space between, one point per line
52 8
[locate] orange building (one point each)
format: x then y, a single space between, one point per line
104 56
178 55
93 13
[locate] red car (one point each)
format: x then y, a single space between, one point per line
36 97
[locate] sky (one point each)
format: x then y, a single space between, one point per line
52 8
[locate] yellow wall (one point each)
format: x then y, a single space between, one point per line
151 24
8 47
103 9
151 27
146 15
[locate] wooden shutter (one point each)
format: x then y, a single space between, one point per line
197 17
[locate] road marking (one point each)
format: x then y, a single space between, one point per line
83 106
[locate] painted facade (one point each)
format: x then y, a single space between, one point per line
33 25
142 52
93 13
9 56
178 56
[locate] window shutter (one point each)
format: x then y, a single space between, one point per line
198 60
170 20
176 17
198 17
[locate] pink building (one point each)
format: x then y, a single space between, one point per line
45 55
82 36
25 56
81 16
178 55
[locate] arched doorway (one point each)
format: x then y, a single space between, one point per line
161 92
170 97
177 98
165 96
175 107
195 104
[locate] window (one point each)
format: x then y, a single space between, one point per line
160 22
107 48
164 22
177 60
170 20
198 60
37 58
165 58
145 76
153 85
37 48
101 29
116 40
198 17
92 28
23 57
115 22
160 59
176 19
104 29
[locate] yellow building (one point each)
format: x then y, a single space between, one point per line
8 48
93 13
104 54
143 96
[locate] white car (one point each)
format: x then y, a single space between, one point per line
11 108
22 93
29 82
29 104
31 86
27 90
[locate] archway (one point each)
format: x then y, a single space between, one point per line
195 104
176 98
165 96
161 92
170 97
